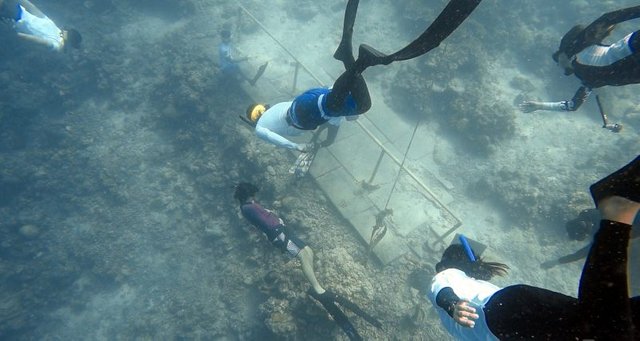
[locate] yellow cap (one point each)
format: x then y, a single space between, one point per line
254 112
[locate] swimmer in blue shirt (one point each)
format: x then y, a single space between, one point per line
349 96
34 26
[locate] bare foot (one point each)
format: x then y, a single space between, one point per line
618 209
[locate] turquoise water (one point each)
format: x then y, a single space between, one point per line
118 161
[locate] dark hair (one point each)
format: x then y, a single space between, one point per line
570 44
73 38
244 191
578 229
225 34
456 257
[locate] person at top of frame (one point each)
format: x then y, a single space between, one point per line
34 26
582 53
349 95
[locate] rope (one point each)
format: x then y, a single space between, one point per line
434 198
404 158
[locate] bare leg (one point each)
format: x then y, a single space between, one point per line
619 209
306 258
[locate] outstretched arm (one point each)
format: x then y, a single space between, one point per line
571 105
277 139
576 256
332 133
458 309
35 39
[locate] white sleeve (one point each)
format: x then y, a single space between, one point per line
275 139
439 282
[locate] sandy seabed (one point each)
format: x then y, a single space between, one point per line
117 166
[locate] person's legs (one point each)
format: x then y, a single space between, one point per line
604 294
344 52
349 83
351 80
306 258
526 312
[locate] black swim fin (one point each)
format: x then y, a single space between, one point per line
259 73
447 21
327 299
344 52
356 309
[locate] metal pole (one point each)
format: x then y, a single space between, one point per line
375 169
278 42
295 78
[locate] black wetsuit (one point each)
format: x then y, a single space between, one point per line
622 71
602 311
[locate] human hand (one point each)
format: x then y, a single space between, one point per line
306 147
464 314
528 106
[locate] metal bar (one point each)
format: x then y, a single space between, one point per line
264 28
375 169
605 120
295 78
367 131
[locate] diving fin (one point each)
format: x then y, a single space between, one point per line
452 16
259 73
357 310
327 300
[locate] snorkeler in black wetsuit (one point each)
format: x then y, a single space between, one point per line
582 53
603 309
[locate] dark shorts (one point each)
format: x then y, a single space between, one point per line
290 243
309 110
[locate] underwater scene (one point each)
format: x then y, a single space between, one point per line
319 170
